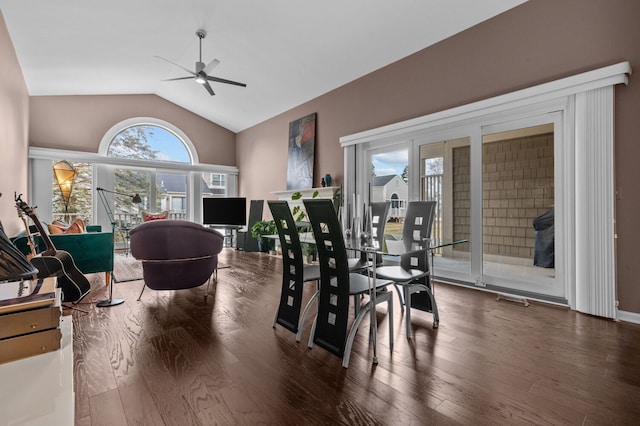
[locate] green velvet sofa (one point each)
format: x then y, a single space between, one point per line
91 251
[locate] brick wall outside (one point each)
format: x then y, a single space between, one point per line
462 196
517 188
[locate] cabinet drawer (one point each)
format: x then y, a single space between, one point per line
23 322
27 345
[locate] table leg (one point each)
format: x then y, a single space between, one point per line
372 299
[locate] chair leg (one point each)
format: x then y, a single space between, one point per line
364 310
143 287
434 306
400 297
390 315
356 304
434 309
388 297
208 287
275 317
313 332
304 315
407 317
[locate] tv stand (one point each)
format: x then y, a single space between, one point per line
230 233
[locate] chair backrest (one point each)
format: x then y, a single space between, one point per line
379 215
176 254
418 259
378 219
333 304
173 239
417 223
292 266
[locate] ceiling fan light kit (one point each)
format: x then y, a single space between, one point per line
201 74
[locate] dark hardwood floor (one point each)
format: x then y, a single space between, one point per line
175 359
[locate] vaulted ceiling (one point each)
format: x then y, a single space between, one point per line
286 51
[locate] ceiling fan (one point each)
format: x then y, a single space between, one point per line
201 75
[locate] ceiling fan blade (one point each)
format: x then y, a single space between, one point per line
177 65
222 80
211 65
209 88
179 78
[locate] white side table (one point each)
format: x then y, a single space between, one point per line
39 390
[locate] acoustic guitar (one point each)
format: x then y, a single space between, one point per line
52 262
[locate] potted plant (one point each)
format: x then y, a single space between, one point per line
262 228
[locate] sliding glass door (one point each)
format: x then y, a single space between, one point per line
497 190
389 181
445 177
518 207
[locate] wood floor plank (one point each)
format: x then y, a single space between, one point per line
106 409
170 402
137 402
175 358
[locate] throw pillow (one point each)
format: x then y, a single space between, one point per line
146 216
57 227
77 227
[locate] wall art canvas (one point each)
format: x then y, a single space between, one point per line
302 141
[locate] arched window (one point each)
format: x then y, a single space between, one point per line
394 201
141 155
149 142
162 190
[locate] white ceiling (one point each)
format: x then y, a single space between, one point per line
286 51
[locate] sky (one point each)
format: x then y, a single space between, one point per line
170 148
390 163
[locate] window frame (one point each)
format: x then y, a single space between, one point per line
40 182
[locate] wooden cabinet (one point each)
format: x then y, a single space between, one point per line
30 324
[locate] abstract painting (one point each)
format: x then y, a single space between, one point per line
302 141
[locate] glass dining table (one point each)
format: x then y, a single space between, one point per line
392 250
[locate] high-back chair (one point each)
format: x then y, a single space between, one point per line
294 272
412 277
338 285
418 221
175 254
379 215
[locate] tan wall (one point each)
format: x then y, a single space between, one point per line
14 122
79 123
536 42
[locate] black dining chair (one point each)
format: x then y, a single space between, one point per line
338 286
412 276
294 272
374 223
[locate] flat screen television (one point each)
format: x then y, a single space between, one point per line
224 211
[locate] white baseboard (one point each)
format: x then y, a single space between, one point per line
629 317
